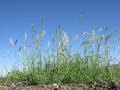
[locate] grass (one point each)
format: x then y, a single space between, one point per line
63 66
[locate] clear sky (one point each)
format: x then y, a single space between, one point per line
17 16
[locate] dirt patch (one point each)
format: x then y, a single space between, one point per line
112 86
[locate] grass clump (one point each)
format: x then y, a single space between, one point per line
61 64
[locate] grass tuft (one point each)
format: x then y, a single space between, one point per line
61 64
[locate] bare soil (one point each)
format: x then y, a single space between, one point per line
112 86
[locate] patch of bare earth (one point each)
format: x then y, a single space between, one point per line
112 86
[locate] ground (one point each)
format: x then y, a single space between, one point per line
113 86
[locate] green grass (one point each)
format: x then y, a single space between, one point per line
61 65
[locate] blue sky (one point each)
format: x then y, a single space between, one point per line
17 16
